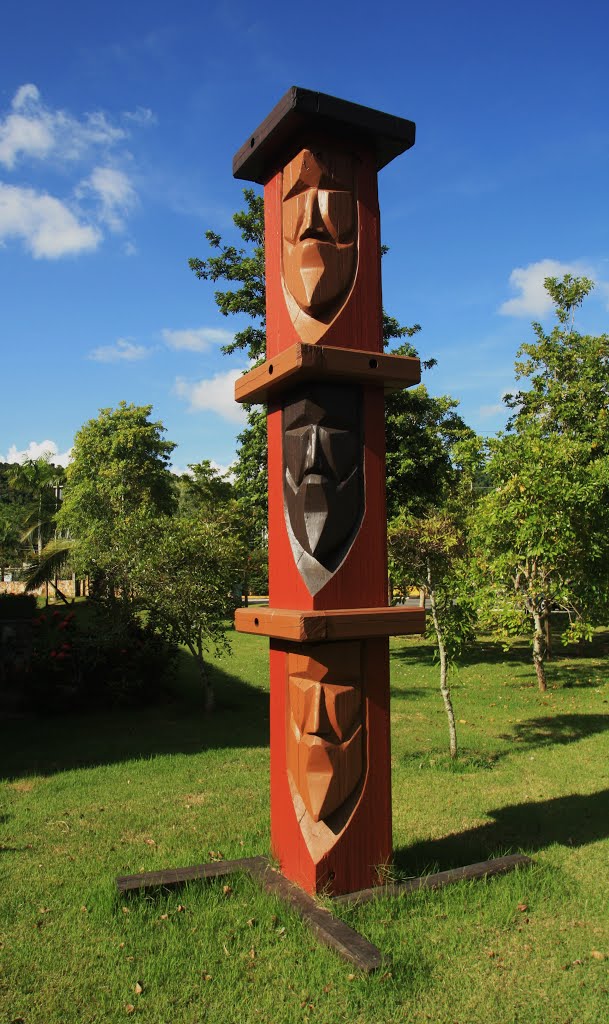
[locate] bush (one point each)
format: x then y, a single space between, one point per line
113 662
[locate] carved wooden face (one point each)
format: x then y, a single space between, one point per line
319 229
323 476
325 730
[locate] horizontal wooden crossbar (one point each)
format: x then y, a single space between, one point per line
304 362
340 624
484 869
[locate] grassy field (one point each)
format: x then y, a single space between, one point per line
84 799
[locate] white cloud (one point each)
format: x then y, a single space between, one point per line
114 192
36 450
33 130
46 225
124 350
196 339
534 299
222 470
216 394
491 410
141 116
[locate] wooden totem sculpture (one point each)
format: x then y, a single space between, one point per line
324 382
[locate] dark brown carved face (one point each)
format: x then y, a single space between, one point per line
325 732
323 485
319 229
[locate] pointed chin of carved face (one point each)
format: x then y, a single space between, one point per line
318 274
323 511
327 773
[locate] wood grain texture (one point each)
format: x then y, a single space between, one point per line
304 362
330 624
358 324
349 944
471 872
361 580
362 844
331 931
301 110
172 877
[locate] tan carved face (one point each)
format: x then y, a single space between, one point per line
325 731
319 225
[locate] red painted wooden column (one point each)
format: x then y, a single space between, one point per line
324 382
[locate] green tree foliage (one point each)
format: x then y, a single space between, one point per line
542 530
203 489
428 552
422 432
119 473
183 575
243 268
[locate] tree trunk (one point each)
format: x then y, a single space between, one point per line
539 650
208 693
444 687
547 622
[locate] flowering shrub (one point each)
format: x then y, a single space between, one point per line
108 663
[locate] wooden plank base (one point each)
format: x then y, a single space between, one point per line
173 877
329 930
484 869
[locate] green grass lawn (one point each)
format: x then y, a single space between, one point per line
84 799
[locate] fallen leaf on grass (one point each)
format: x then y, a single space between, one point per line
252 921
350 977
138 989
84 909
150 842
227 889
125 910
164 917
596 953
181 908
207 977
522 907
130 1008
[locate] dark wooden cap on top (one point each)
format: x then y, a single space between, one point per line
302 109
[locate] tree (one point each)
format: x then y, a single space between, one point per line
203 489
422 432
119 471
428 552
183 575
542 530
245 267
427 536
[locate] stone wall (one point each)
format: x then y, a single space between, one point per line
66 587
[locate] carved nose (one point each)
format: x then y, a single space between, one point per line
313 460
317 723
312 222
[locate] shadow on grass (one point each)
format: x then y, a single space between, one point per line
33 745
543 732
492 652
573 820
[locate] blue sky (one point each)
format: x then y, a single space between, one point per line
118 124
